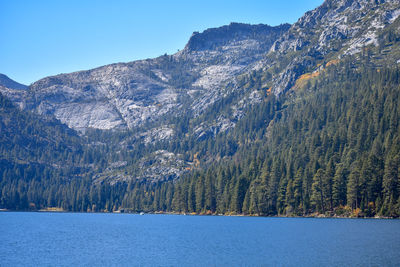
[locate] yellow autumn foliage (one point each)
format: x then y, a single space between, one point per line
332 62
301 81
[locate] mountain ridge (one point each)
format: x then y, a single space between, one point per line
126 95
5 81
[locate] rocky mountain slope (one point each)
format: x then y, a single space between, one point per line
12 89
127 95
335 29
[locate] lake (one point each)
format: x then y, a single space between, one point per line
68 239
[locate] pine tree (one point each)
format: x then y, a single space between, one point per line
353 188
318 187
339 190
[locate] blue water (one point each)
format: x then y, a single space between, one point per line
76 239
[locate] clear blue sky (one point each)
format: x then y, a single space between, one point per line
47 37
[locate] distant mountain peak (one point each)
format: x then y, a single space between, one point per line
9 83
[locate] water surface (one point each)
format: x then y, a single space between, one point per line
67 239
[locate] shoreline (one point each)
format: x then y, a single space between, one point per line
317 216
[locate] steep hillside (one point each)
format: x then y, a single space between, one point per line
28 138
127 95
332 148
330 32
296 119
36 153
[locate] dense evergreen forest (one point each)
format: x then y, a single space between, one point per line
330 147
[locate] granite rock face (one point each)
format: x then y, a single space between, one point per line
127 95
340 27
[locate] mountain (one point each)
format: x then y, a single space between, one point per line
127 95
8 83
37 154
298 119
12 89
335 29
